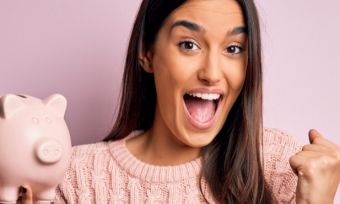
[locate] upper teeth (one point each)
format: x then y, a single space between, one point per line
206 96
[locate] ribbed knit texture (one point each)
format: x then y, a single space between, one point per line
107 172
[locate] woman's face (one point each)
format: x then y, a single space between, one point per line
199 62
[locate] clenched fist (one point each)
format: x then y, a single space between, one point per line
318 169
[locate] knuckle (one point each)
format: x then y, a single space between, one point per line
292 159
309 170
304 148
328 162
337 155
325 161
311 164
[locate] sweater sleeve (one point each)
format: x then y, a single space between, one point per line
278 147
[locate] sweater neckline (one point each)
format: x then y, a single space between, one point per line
149 172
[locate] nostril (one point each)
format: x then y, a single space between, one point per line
35 120
45 152
208 78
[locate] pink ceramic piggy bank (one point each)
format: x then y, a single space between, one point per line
35 145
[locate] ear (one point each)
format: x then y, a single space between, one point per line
145 60
9 105
57 103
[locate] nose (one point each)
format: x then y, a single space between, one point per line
210 72
49 152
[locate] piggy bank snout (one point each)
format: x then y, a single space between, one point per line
49 152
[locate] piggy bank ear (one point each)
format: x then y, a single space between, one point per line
57 103
9 105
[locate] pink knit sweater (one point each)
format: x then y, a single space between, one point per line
107 172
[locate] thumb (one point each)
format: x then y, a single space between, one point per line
313 134
27 195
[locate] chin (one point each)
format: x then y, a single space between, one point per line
199 139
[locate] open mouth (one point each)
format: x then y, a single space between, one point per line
201 108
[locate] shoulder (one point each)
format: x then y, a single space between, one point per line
278 142
89 150
84 155
278 147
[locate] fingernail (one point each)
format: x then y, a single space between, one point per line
315 131
23 190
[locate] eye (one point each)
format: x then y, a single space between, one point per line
188 45
234 49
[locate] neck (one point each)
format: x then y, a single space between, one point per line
158 146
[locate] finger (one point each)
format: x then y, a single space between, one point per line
313 134
296 162
316 137
310 155
315 148
304 164
300 159
27 196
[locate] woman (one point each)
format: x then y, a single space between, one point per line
193 87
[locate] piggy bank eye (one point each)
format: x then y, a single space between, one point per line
35 121
22 96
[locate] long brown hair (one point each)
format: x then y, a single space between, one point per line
232 162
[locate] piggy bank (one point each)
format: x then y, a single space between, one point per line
35 145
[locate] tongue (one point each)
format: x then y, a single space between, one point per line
199 109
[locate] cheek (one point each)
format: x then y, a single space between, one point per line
171 70
167 75
235 73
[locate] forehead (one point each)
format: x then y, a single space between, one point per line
226 13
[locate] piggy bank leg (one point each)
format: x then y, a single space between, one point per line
43 202
9 194
45 196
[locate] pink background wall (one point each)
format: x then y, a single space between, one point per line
302 67
77 48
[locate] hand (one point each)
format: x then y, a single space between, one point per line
25 195
318 169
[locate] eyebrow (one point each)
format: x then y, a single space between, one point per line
190 25
238 30
197 28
